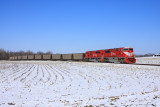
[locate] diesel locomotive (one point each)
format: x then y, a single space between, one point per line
116 55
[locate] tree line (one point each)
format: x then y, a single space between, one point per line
4 55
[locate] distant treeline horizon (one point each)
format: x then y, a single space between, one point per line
4 55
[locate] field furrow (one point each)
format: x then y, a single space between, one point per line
61 83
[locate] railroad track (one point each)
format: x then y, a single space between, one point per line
135 64
129 64
146 64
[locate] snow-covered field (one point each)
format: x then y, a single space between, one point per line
58 83
148 60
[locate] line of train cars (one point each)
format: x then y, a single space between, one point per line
116 55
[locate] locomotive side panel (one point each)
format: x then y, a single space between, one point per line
93 56
56 56
46 57
31 57
67 56
38 57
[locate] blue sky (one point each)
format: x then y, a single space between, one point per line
73 26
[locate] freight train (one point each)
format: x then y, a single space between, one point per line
116 55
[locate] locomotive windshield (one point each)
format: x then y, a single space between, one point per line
126 49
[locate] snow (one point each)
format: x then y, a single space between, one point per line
62 83
148 60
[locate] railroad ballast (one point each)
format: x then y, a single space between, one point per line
116 55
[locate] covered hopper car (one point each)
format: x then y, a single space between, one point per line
30 57
56 57
67 56
24 57
46 57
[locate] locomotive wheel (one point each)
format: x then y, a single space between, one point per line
121 61
99 60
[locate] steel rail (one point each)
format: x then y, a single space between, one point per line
146 64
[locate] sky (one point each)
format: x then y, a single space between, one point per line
77 26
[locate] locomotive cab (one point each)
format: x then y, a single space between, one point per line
129 55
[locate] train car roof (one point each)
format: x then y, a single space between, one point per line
127 47
108 49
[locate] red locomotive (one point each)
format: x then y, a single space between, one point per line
116 55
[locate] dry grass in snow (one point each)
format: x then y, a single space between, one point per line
57 84
148 60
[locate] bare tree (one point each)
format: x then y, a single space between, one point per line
21 53
3 54
29 52
40 53
48 53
